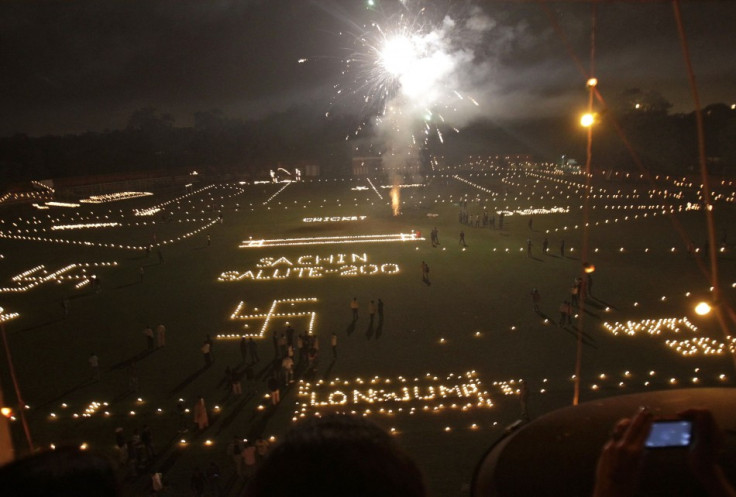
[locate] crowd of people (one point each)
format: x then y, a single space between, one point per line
480 220
340 454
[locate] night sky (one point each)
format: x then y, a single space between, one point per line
71 66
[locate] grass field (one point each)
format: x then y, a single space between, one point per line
474 315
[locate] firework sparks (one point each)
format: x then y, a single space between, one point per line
411 72
407 70
396 200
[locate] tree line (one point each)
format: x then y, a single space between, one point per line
662 141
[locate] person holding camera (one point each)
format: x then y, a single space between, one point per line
619 464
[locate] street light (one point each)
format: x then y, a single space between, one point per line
703 308
587 121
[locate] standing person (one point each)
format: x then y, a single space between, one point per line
235 386
536 298
136 451
528 247
253 350
228 380
462 239
249 458
589 284
209 240
581 288
354 306
201 419
312 355
160 335
94 365
262 447
148 331
523 399
574 294
282 345
333 342
196 483
301 347
207 353
235 450
425 272
273 387
287 367
545 245
243 349
380 311
290 335
147 440
372 311
119 437
562 248
565 313
212 346
157 483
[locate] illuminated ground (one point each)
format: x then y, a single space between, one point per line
476 315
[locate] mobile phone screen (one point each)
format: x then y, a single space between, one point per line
671 433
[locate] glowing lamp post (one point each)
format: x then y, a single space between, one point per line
587 121
703 309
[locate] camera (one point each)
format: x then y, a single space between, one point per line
669 433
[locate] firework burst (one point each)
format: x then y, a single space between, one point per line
406 73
